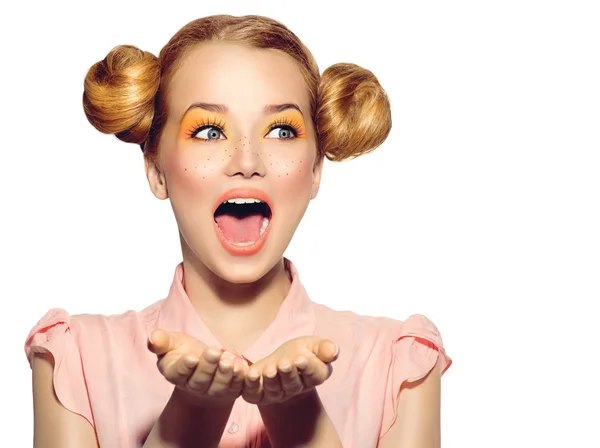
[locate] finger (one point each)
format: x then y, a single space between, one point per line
180 370
222 377
312 370
160 342
203 375
291 383
272 384
237 381
326 350
253 389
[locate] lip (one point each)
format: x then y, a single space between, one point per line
253 193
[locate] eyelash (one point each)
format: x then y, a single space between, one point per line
285 123
201 125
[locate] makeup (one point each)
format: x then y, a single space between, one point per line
203 125
286 125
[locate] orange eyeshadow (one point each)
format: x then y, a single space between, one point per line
197 118
291 118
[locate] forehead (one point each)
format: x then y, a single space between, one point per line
244 79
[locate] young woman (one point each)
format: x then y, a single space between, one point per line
234 120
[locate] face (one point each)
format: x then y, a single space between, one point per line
237 157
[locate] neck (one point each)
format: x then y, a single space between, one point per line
249 307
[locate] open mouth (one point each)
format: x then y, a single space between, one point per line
243 221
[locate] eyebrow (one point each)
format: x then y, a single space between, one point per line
276 108
222 109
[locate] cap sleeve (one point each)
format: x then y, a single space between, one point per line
54 333
416 349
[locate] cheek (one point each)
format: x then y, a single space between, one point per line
291 170
192 171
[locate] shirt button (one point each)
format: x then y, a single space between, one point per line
233 428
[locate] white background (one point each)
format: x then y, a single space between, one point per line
480 211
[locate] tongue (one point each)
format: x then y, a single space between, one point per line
240 230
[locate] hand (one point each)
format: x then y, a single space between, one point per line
205 375
296 367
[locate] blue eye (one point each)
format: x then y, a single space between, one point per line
209 133
282 132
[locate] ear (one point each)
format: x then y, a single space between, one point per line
156 179
317 172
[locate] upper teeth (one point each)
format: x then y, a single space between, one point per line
242 201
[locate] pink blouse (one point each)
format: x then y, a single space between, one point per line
105 372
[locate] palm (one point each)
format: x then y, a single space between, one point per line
296 367
205 374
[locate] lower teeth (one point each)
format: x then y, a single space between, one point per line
264 226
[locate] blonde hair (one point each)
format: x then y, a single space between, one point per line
125 93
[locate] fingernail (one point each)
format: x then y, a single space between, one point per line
337 349
301 362
213 355
191 360
224 366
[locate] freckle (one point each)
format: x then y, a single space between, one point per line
222 160
204 166
186 169
230 155
279 175
196 167
287 174
292 161
270 163
203 177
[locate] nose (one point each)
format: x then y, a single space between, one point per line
246 160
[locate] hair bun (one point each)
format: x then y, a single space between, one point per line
353 114
119 93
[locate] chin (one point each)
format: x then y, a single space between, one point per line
245 270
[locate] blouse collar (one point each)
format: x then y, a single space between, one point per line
294 318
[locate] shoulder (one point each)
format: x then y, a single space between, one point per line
58 330
380 355
379 330
82 354
385 349
89 347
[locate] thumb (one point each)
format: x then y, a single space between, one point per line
161 342
326 350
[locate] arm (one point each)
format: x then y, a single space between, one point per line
183 425
57 427
54 425
299 422
418 417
